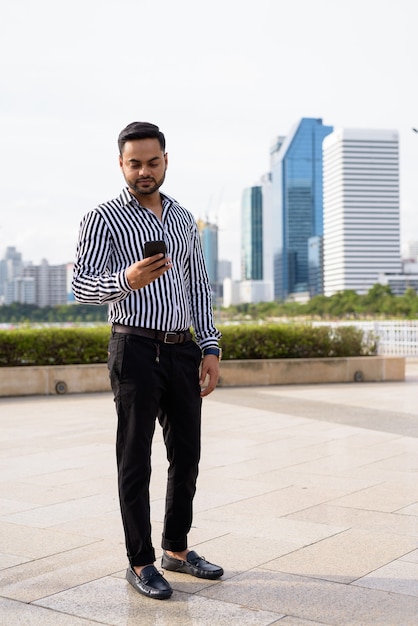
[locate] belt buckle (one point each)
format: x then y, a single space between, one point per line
167 337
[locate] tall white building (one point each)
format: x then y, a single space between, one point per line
361 208
412 250
50 283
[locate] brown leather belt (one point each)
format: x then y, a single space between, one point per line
159 335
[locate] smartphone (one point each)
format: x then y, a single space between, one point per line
154 247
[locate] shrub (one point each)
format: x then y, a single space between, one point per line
68 346
53 346
293 341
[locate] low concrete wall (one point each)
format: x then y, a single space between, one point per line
47 380
53 379
306 371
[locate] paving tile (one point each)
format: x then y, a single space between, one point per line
346 556
112 601
393 523
44 516
280 502
254 465
367 395
25 467
316 600
392 446
105 526
235 555
71 478
341 464
56 492
35 543
292 534
379 474
412 509
9 507
400 577
43 577
296 621
287 477
9 560
20 614
206 499
209 481
399 463
412 557
387 497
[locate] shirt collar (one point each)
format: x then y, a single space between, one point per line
126 199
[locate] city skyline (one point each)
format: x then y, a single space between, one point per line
221 94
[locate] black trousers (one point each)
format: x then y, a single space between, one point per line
151 380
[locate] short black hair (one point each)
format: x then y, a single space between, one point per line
140 130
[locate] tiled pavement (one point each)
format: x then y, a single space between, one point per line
307 495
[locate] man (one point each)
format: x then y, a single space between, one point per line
153 362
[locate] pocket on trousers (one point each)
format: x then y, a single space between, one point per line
115 357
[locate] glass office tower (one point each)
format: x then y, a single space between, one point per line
296 169
315 266
252 234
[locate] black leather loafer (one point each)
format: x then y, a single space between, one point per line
195 565
149 582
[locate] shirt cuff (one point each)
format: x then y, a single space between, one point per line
122 282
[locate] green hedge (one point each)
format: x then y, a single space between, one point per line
67 346
53 346
294 341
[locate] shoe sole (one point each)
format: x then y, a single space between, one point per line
184 569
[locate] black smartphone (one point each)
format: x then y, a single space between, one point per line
154 247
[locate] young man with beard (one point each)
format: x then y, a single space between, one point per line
156 369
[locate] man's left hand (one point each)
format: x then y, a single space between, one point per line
210 367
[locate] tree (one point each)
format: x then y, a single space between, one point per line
379 299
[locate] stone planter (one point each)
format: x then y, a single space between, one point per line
53 379
61 379
308 371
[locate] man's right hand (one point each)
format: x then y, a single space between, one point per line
142 273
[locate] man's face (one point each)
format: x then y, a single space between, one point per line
143 166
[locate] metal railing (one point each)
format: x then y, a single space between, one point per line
396 338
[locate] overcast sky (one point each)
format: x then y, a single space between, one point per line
220 78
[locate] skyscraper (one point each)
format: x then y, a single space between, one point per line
209 239
50 283
361 208
11 267
268 234
252 234
296 174
43 285
256 256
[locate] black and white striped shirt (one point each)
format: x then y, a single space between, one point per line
112 237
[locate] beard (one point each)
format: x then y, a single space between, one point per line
138 188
